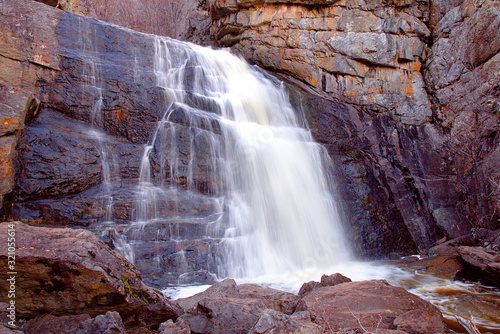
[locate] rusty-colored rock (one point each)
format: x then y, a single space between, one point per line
69 271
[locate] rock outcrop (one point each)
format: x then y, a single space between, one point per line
65 272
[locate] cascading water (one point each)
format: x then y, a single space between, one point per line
280 216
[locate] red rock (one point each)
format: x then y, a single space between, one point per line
63 271
486 260
370 305
277 300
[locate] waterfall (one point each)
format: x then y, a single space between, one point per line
255 157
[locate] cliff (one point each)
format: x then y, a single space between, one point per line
404 95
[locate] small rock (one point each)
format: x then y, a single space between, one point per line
179 327
275 322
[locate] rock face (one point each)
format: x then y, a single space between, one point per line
69 272
371 52
79 157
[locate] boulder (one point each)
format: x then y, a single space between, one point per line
71 272
326 280
224 315
371 305
486 261
179 327
276 300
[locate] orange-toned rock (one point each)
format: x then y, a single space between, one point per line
368 55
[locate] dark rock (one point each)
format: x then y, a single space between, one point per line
370 305
67 271
486 261
450 222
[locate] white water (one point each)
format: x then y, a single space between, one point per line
283 221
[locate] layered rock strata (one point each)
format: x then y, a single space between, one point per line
369 52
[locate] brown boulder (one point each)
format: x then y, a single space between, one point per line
69 272
326 280
371 305
485 260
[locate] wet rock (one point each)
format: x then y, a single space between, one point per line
70 272
444 266
371 305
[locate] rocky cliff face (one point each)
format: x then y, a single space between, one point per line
419 85
404 96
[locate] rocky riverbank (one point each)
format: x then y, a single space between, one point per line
69 281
